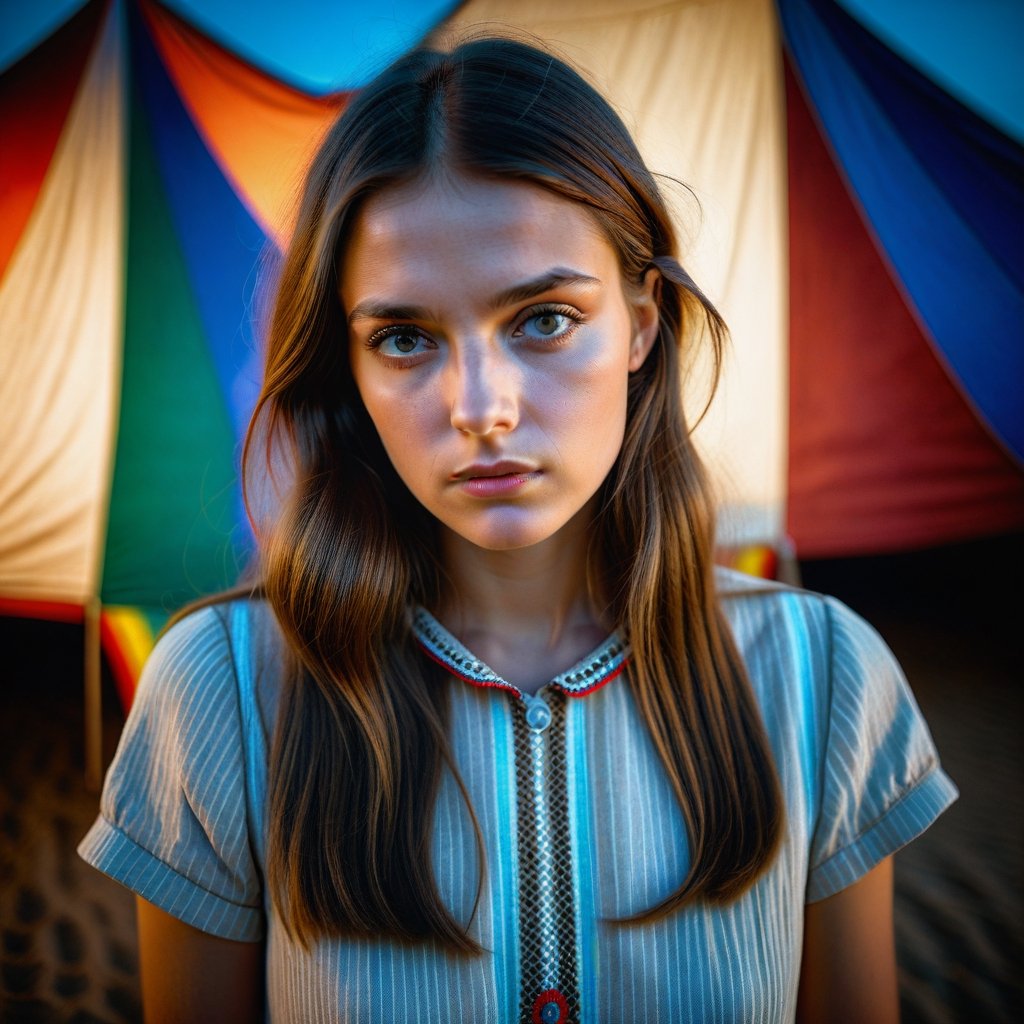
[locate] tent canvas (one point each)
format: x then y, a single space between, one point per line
858 224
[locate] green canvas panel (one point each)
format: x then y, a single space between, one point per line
172 502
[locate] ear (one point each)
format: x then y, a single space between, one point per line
646 317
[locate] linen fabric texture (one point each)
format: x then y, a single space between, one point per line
182 824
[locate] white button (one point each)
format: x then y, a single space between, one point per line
538 714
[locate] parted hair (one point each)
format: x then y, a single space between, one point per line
360 742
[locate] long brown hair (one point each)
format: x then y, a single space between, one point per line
360 742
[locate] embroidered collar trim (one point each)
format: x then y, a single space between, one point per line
601 666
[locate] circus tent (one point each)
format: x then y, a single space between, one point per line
857 212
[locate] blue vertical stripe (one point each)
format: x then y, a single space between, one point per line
581 823
506 884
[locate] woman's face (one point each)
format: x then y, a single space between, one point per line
491 337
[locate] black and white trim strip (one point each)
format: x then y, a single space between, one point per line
597 668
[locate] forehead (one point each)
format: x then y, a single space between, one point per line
456 231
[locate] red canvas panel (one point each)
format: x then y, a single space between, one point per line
884 452
35 97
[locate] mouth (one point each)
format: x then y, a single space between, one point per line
493 470
496 479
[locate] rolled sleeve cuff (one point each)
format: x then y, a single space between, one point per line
109 850
905 820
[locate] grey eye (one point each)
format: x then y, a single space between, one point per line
548 323
405 342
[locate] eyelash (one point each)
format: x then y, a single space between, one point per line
572 314
378 338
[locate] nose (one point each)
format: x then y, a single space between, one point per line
484 390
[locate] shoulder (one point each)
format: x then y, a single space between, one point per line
774 620
788 619
184 746
191 677
192 658
199 635
809 652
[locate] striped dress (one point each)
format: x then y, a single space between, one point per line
579 823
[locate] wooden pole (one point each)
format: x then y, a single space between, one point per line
93 697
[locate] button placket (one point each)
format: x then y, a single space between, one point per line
545 862
549 986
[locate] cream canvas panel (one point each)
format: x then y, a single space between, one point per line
60 328
700 86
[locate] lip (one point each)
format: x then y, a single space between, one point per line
489 470
495 479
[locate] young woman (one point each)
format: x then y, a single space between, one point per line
492 740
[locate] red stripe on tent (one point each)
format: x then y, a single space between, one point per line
884 453
121 665
125 678
35 97
51 611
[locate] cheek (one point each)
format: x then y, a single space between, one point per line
585 429
379 406
597 397
606 427
405 426
395 427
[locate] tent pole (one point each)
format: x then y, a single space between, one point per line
93 697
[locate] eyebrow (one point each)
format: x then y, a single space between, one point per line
558 277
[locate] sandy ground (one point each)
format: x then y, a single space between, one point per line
67 934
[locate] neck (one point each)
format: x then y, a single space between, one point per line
538 593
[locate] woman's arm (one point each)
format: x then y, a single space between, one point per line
191 977
848 973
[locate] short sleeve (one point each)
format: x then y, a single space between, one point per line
881 782
173 824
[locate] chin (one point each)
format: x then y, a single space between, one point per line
504 532
505 540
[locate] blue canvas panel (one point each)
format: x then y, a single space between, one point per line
228 257
316 46
971 49
971 307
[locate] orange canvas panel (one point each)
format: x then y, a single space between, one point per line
262 132
884 452
35 97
